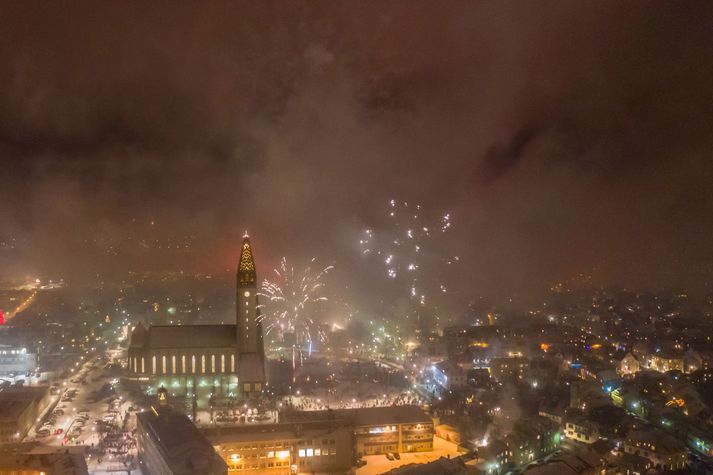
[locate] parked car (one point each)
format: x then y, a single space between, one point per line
390 456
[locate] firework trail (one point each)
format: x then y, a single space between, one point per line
408 248
290 300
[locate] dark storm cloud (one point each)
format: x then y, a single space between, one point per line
561 136
498 159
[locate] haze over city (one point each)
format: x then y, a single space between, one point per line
464 237
563 139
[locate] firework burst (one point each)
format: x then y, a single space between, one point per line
290 301
408 246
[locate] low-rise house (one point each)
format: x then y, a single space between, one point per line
583 463
582 430
629 365
666 361
532 438
664 451
449 375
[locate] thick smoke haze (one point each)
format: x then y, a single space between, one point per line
563 137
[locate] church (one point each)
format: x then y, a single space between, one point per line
222 360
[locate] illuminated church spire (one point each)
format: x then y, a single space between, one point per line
247 263
251 353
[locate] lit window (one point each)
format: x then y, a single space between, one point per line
301 453
212 363
163 364
310 453
173 364
202 363
153 364
317 452
222 363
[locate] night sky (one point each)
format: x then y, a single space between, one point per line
562 137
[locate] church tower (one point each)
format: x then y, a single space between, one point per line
251 353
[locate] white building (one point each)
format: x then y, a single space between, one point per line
15 360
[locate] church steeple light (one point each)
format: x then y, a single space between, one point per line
251 353
246 266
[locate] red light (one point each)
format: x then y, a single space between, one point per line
2 318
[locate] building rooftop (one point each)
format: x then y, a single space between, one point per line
442 466
367 416
658 441
14 400
260 432
47 459
182 445
184 336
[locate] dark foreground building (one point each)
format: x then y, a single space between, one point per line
169 444
227 360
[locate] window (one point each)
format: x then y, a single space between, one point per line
193 363
222 363
183 363
317 452
212 363
310 453
202 363
153 364
301 453
258 387
232 363
246 387
143 367
173 364
163 364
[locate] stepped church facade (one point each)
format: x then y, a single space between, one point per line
209 360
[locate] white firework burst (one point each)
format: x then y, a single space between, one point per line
290 301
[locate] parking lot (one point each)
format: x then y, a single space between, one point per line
92 410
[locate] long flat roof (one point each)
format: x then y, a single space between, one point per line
188 336
367 416
14 400
261 432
